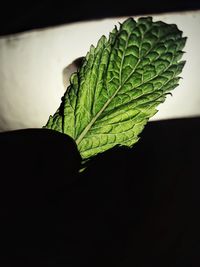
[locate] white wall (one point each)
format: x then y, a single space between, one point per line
32 63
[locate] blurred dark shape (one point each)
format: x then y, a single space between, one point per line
37 166
70 69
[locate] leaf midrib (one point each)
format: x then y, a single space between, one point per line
88 127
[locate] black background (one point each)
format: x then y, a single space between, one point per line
18 16
130 207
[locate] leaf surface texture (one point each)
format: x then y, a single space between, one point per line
119 85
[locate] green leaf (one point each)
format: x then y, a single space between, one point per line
119 85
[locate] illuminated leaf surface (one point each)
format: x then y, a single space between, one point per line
119 85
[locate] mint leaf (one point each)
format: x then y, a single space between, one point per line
119 85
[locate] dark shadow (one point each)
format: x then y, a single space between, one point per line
130 207
71 68
144 201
